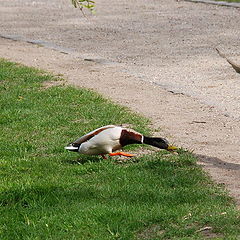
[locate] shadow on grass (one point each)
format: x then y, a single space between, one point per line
83 159
113 184
57 196
45 196
150 182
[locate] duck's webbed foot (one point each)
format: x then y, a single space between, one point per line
121 154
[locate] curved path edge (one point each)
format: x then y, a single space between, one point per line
188 123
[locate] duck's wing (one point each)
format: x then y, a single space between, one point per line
90 135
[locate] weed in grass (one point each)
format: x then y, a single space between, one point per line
49 193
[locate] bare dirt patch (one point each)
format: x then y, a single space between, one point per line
49 84
151 232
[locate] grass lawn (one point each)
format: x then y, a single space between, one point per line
49 193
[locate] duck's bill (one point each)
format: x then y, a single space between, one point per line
172 148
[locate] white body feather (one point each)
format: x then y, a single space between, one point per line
104 142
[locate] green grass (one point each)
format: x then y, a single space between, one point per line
49 193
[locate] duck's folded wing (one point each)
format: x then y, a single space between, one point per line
93 133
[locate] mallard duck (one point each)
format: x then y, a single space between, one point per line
108 139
